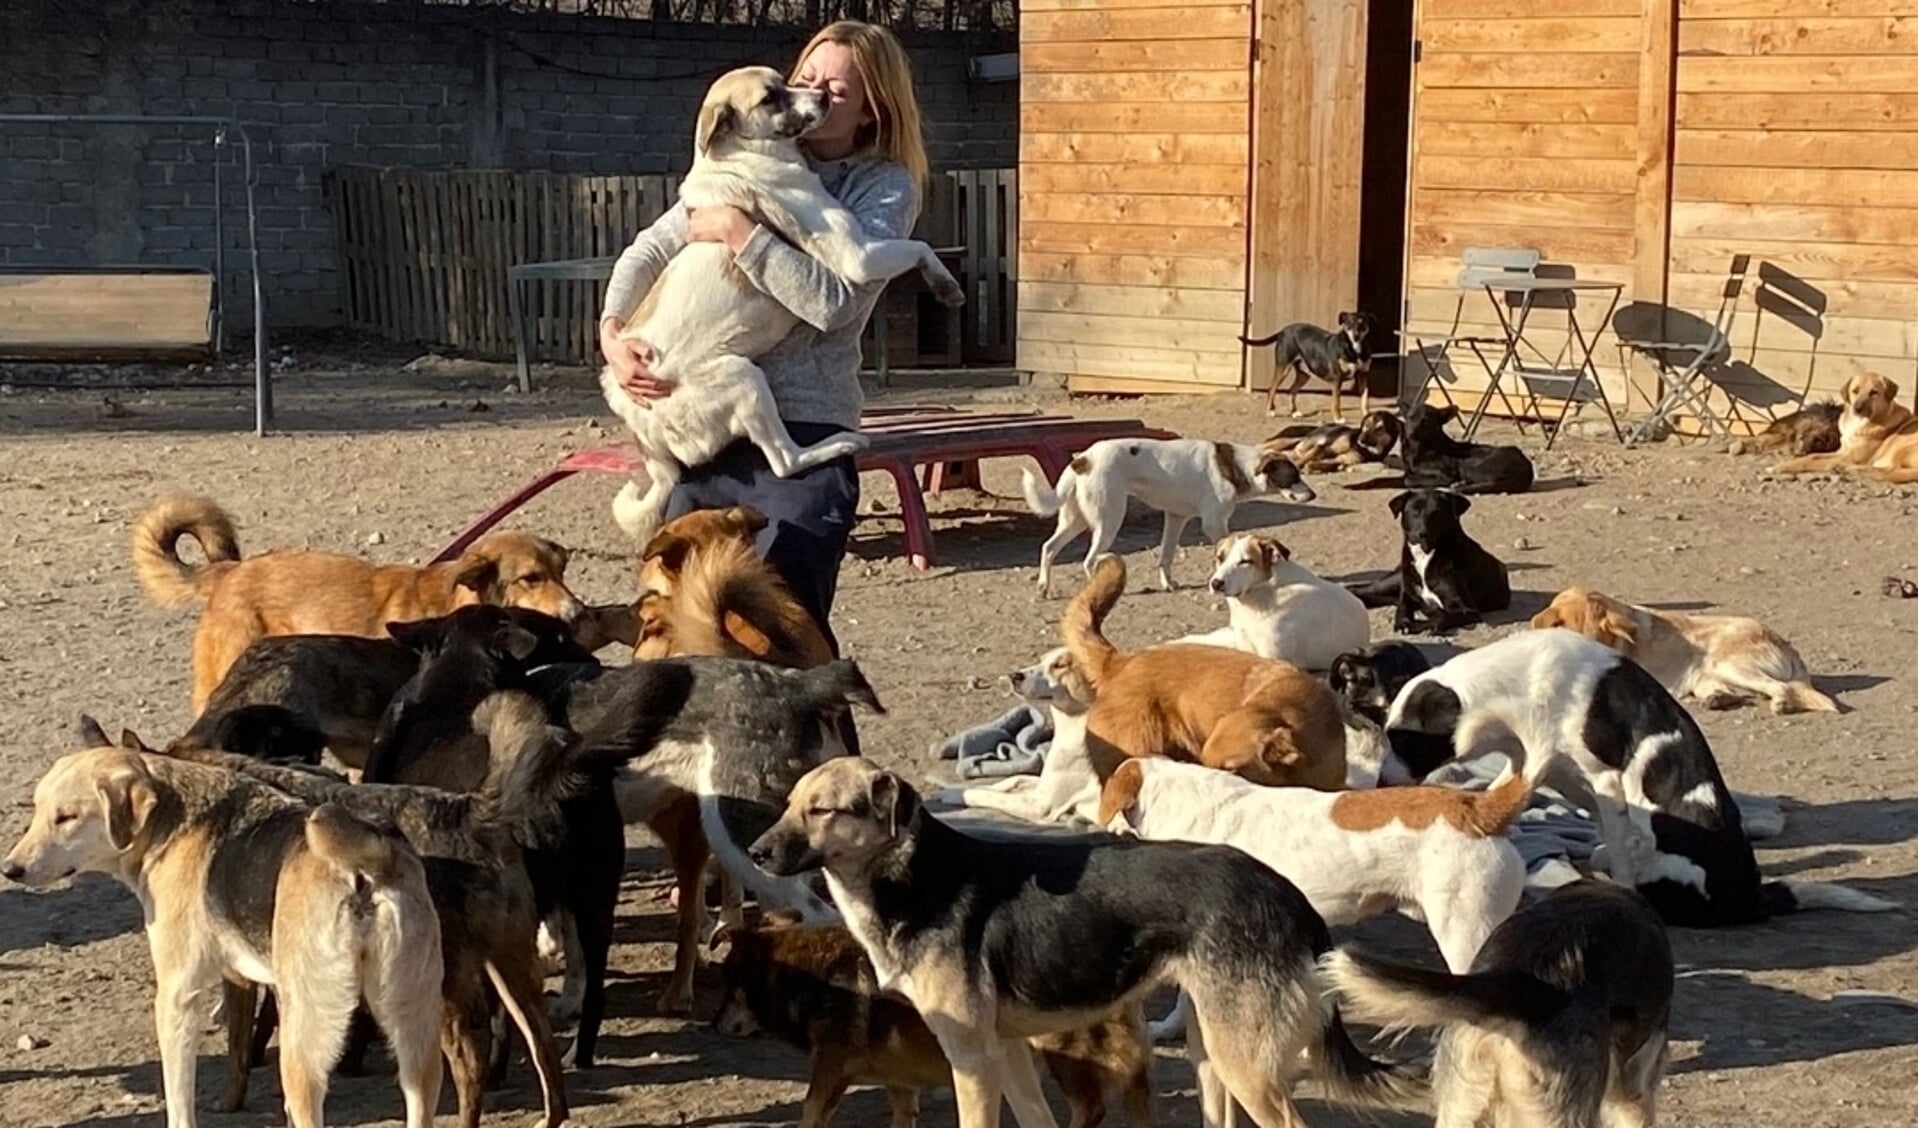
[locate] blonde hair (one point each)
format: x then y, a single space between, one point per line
896 132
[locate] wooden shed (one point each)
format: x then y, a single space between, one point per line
1190 174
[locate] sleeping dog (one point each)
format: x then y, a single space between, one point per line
1626 750
1306 350
1444 576
1434 459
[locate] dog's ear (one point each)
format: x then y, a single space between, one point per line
516 641
1397 504
714 122
1271 551
126 798
1444 414
1616 628
131 741
1120 793
1891 390
421 636
670 547
1340 675
89 733
891 801
750 520
476 573
1547 619
1457 502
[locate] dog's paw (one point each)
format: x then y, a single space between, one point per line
947 291
676 999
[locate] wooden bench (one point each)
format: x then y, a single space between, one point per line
946 442
106 313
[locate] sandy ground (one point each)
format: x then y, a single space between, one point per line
392 464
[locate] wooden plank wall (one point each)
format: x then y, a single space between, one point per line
1527 133
1797 144
1133 149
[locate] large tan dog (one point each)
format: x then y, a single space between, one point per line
293 591
241 882
1877 438
1259 718
1719 660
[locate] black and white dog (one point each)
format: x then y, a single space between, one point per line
1444 576
1434 459
1370 679
1624 748
1306 350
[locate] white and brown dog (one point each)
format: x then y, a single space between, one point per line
1066 790
240 881
705 323
1281 609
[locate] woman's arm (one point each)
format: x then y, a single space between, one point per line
640 264
887 206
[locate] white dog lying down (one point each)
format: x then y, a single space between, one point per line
1066 790
703 320
1437 854
1718 660
1280 608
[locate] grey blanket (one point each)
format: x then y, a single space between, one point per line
1013 744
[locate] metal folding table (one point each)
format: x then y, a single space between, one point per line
1573 359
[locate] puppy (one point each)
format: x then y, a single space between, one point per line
1812 429
705 322
1616 741
1066 790
1877 438
1307 350
1338 445
1444 578
1562 1019
812 987
1436 460
1368 680
1281 609
242 883
1719 660
1268 721
1182 478
294 591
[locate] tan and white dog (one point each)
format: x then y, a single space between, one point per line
240 881
1281 609
1066 790
706 323
1718 660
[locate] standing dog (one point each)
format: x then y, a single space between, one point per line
1444 576
705 323
1282 609
1436 460
1182 478
1340 445
240 882
997 941
1562 1019
1306 350
1719 660
293 591
1877 437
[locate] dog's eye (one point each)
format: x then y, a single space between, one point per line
63 818
821 812
533 580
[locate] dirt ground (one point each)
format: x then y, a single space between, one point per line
391 464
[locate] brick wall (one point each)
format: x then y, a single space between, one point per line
337 83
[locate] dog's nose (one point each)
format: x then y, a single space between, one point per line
1017 678
1216 584
13 871
760 854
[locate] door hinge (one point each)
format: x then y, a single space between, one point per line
1418 50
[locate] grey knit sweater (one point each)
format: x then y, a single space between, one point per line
814 372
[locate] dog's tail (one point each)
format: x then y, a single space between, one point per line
1802 697
1786 897
1351 1076
1498 806
1400 998
1257 342
361 852
170 581
728 602
1084 622
1044 500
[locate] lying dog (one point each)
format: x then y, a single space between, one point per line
813 987
1562 1019
294 591
1305 350
1369 679
1718 660
1281 609
1812 429
995 941
1067 788
1268 721
1182 478
1340 445
1877 437
1436 460
243 883
705 322
1617 742
1444 577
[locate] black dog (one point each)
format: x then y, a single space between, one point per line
1444 575
286 692
1369 679
1307 350
1436 460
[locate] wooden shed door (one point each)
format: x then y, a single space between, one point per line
1308 124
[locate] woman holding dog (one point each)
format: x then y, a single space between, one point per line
871 155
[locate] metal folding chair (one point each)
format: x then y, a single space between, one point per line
1480 267
1682 365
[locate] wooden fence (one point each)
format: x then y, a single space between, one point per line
424 255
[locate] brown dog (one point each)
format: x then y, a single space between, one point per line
293 591
1259 718
813 987
1812 429
1877 438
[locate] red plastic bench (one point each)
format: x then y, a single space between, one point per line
938 438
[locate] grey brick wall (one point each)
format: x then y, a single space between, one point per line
334 83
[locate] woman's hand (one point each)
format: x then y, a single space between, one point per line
720 224
631 362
